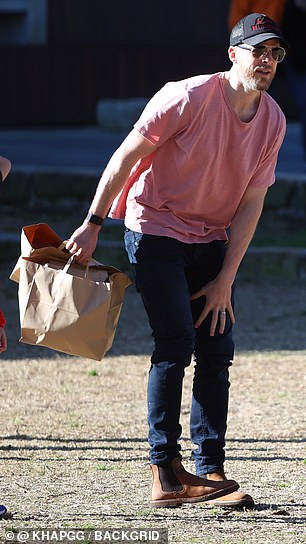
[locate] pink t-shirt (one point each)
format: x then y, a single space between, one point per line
190 186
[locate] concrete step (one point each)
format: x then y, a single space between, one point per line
259 262
46 188
61 198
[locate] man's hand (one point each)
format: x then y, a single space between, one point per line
218 301
82 243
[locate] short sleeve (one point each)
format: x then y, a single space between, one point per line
265 173
166 114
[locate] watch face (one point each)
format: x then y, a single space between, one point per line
96 219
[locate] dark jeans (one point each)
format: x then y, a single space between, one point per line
166 273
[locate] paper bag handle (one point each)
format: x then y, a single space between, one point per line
69 263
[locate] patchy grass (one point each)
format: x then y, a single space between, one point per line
74 453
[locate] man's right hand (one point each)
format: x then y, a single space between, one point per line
82 243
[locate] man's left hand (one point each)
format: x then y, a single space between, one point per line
218 301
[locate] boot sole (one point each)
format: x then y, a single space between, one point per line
179 501
243 503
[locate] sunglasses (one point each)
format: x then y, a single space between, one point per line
278 53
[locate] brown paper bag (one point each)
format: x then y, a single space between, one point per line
41 243
66 306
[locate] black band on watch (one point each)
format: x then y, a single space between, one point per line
96 219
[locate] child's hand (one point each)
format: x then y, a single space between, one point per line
3 340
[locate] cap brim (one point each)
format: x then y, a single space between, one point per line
256 40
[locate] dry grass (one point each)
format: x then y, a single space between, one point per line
73 431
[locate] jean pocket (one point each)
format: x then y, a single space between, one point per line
131 242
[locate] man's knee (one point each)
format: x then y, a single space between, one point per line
178 349
212 368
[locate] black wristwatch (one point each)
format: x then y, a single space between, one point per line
96 219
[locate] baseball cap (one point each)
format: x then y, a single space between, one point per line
255 28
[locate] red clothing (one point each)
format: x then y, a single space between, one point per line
2 319
240 8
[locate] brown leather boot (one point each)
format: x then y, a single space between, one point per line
236 499
174 486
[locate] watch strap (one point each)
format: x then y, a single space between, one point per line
93 218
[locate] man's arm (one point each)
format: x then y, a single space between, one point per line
83 241
218 291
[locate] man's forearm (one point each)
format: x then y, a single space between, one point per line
83 240
110 185
241 233
117 171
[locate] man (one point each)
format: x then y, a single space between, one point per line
198 161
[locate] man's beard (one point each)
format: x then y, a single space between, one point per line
252 83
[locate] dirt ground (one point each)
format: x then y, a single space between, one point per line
73 447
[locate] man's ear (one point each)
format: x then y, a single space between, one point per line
232 54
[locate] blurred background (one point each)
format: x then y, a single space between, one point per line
75 77
60 57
